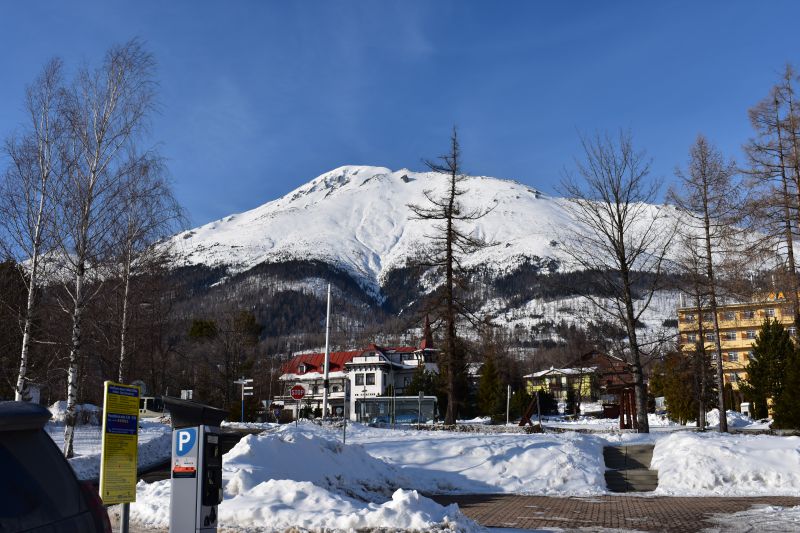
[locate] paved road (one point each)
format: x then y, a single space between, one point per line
620 512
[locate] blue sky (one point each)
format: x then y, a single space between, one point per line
258 97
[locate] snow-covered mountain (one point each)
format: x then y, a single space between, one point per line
357 219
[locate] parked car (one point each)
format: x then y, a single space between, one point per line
38 489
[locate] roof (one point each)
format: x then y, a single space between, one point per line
564 371
315 362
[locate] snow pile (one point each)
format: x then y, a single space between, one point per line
87 414
309 453
302 478
760 518
282 505
735 419
727 465
463 463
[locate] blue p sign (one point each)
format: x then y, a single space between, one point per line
184 441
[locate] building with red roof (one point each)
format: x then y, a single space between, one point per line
355 376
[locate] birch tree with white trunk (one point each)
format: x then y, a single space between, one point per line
106 113
26 207
149 214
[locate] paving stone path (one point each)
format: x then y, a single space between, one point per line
619 512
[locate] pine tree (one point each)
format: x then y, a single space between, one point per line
490 391
787 408
767 366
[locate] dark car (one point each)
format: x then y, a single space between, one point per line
38 489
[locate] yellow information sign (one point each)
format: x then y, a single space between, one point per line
120 443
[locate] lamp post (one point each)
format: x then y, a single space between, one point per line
363 404
247 390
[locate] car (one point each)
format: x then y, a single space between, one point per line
38 488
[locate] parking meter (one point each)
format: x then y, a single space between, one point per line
196 466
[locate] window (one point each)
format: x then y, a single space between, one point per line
733 357
750 355
792 331
691 337
359 379
770 312
688 317
729 315
751 334
710 336
370 378
707 317
315 389
729 336
748 314
336 388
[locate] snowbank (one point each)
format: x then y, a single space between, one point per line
314 454
727 465
760 518
301 477
462 463
735 419
88 414
282 505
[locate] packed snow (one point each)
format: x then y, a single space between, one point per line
762 518
714 464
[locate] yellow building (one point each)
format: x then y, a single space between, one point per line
739 325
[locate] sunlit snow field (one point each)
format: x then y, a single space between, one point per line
304 476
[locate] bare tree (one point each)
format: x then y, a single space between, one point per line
707 197
620 236
25 195
149 214
774 208
449 244
105 110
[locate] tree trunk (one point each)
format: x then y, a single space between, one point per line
639 387
72 374
452 392
124 325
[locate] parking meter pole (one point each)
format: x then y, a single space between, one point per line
124 519
196 469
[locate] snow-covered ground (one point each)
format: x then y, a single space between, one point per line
304 476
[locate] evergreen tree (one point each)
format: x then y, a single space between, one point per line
677 378
573 405
490 391
787 408
767 366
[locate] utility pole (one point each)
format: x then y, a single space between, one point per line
247 390
326 381
508 402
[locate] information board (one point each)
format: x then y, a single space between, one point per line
120 443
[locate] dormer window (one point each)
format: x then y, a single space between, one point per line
303 368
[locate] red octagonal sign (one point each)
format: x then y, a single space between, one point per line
297 392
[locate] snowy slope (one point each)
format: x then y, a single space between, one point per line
356 218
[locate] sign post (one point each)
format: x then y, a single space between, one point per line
119 449
298 392
247 390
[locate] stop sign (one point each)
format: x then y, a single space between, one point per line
297 392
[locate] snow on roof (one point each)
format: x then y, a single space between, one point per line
562 371
314 362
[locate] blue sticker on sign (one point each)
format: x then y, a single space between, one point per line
184 441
